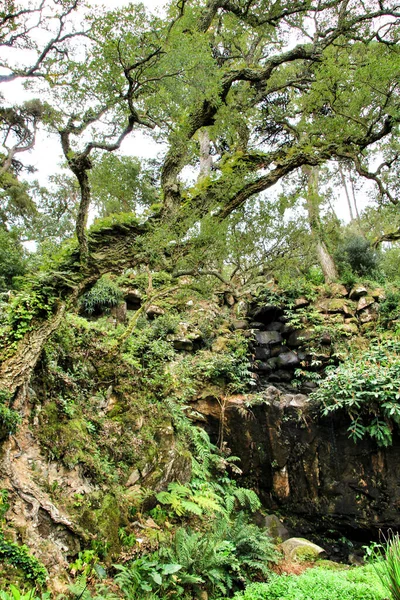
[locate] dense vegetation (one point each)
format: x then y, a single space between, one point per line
265 114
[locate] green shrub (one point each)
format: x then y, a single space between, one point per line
9 419
319 584
367 388
357 255
20 557
103 295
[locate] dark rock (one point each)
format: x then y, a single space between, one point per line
263 367
278 349
133 299
280 375
275 528
264 338
262 353
256 325
275 326
267 313
287 360
326 339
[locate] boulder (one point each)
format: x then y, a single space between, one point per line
265 338
275 528
299 337
301 302
302 549
278 349
357 292
287 360
262 353
256 325
335 305
119 312
229 299
275 326
240 324
378 294
364 302
154 311
182 344
133 299
338 290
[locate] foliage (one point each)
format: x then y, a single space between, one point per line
9 418
367 388
121 184
103 295
19 556
319 584
221 559
388 566
28 307
13 261
16 594
184 500
356 255
146 575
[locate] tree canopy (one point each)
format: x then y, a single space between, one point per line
257 91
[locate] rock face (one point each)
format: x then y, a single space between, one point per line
306 465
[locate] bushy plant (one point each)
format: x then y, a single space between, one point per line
367 388
15 594
9 418
103 295
388 566
319 584
356 255
19 556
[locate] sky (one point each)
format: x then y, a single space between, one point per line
46 156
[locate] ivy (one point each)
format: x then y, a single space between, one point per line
19 556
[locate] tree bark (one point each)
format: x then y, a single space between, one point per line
313 203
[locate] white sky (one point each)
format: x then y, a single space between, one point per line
46 157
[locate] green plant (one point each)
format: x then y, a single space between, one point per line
367 388
146 575
183 499
15 594
319 584
19 556
103 295
388 566
9 418
357 255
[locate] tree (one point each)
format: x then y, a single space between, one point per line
270 109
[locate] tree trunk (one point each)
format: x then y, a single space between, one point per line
16 370
111 249
313 201
205 154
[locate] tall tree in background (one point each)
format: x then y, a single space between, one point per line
225 67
